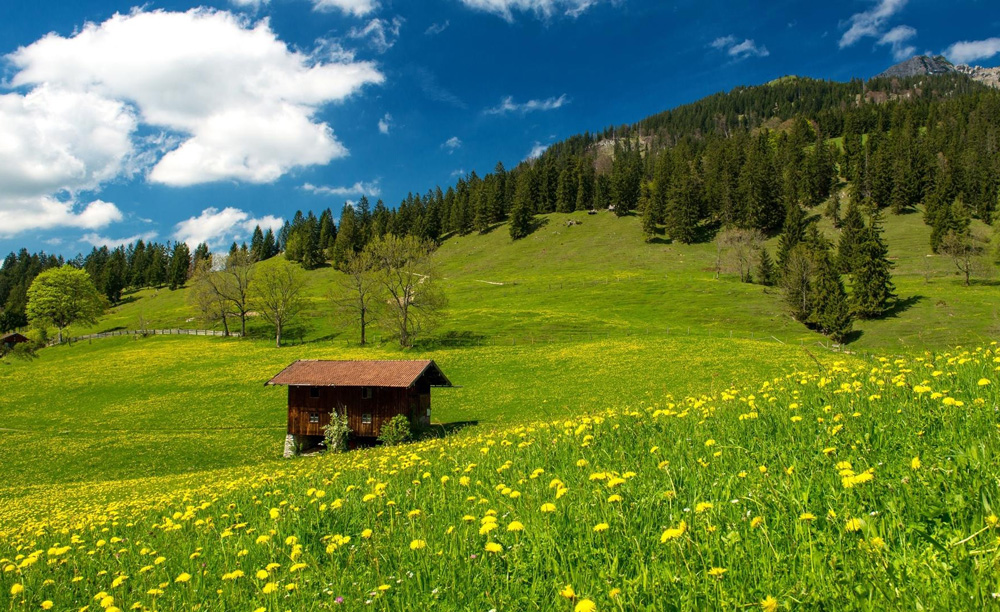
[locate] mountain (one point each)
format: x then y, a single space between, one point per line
922 65
919 65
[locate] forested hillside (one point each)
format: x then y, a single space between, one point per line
756 159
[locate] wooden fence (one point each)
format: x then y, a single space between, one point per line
149 332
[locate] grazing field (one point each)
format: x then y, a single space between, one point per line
122 408
849 486
599 279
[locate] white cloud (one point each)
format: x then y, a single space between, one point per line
507 105
870 22
242 101
358 8
219 227
897 38
451 144
112 243
537 150
54 144
359 188
436 28
381 34
722 42
541 8
384 123
972 50
458 172
739 51
249 4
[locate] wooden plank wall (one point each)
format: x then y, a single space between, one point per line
385 403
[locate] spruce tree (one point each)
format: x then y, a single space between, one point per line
683 207
831 312
180 263
872 290
257 244
792 233
766 273
270 248
851 231
343 247
520 214
585 185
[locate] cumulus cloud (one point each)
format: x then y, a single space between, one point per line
358 8
219 227
896 38
242 102
359 188
97 240
381 34
507 105
384 123
870 23
972 50
739 50
249 4
55 143
436 28
452 144
541 8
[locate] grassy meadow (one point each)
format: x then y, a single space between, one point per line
850 486
698 447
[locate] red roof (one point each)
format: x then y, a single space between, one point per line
319 373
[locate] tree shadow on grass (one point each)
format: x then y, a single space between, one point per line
854 336
902 305
441 430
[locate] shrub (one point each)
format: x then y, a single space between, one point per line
335 434
396 431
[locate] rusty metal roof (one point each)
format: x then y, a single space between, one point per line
320 373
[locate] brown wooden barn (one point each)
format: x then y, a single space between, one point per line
370 392
9 340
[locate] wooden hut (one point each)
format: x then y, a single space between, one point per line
9 340
368 392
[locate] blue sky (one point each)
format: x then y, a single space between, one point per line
194 121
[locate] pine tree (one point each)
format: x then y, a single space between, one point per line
949 218
566 191
585 185
270 248
832 313
257 244
648 214
872 289
343 247
833 210
851 231
684 206
792 233
626 178
180 263
766 273
327 231
520 214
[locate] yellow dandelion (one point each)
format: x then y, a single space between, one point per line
366 534
418 545
568 592
807 516
854 524
17 589
185 577
915 463
546 508
769 604
515 526
269 588
673 532
585 605
983 382
717 572
493 547
47 604
600 527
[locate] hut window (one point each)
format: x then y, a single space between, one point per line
366 418
366 392
313 391
313 417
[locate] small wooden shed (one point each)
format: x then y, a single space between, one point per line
369 392
9 340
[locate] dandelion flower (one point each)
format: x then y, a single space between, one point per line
983 382
367 533
548 508
703 506
568 592
418 545
854 524
17 589
717 572
600 527
269 588
185 577
807 516
515 526
915 463
673 532
585 605
769 604
614 498
262 575
493 547
615 592
47 604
